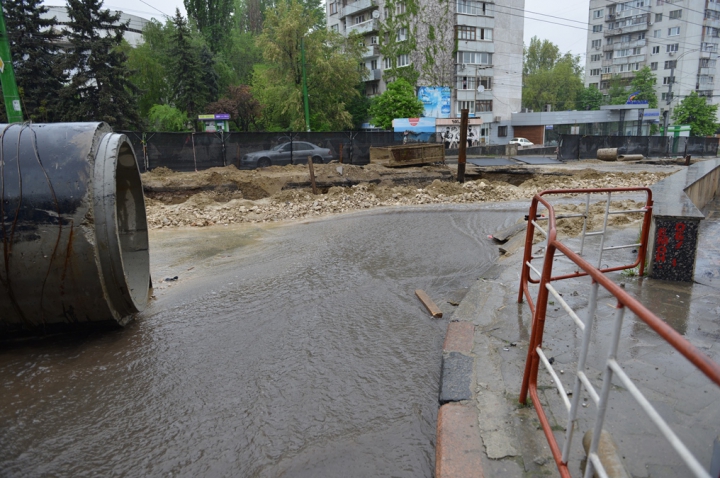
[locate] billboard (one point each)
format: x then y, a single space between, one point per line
414 129
436 100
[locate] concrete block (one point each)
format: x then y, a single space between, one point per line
460 337
459 447
456 379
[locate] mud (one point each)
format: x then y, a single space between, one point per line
224 196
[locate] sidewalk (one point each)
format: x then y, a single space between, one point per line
486 432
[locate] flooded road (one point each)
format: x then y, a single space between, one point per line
284 351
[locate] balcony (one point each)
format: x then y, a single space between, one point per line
607 63
638 27
628 59
371 51
357 7
631 12
364 27
372 75
708 22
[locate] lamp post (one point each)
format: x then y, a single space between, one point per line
668 98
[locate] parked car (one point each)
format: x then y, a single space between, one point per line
281 155
522 142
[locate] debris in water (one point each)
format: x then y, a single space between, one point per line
170 279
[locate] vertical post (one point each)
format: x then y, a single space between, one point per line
668 99
311 167
304 85
463 145
341 148
7 76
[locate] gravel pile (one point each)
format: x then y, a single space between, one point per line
210 208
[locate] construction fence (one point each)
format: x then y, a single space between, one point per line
585 147
197 151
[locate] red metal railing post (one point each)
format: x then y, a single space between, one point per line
527 253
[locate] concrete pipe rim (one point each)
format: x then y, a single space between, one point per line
121 226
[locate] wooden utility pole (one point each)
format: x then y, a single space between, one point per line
312 175
463 145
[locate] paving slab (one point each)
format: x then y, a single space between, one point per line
492 162
537 160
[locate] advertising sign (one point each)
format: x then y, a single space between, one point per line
436 100
414 129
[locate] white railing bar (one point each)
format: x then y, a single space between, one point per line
533 269
594 233
585 346
555 377
589 387
628 246
628 211
584 230
599 468
560 216
604 229
540 228
667 432
565 306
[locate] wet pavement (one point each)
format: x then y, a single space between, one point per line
280 351
512 441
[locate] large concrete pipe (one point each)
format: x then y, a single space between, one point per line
74 232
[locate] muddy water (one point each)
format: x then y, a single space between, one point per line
285 351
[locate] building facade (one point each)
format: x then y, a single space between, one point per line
479 52
677 39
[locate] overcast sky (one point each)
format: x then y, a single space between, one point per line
568 30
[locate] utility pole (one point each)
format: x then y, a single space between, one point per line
304 85
7 76
668 99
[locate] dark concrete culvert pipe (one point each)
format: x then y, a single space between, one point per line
74 232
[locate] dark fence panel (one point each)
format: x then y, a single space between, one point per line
569 147
185 151
136 139
585 147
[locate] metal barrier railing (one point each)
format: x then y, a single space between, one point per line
611 367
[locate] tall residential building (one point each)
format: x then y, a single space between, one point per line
485 73
677 39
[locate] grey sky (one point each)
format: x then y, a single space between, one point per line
568 38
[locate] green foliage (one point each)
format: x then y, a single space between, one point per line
186 75
148 65
398 101
695 111
617 93
589 98
34 46
436 45
100 88
331 64
550 78
167 118
213 18
244 109
398 36
644 82
359 107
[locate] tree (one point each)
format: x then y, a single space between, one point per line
589 98
398 40
100 88
397 101
186 74
359 107
34 44
550 78
539 56
695 111
214 18
643 84
244 109
167 118
617 93
436 53
331 64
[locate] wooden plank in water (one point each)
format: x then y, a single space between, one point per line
428 303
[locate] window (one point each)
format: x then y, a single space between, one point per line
466 33
666 96
387 63
485 34
607 69
624 38
610 41
401 34
658 17
403 60
502 131
595 72
596 44
373 65
653 66
706 79
335 27
597 28
374 40
670 64
712 14
466 105
674 31
711 47
400 8
598 13
668 79
359 19
485 82
374 89
660 2
655 50
675 14
333 8
473 7
672 47
596 57
483 106
656 34
608 55
474 58
712 32
641 36
707 63
386 12
466 83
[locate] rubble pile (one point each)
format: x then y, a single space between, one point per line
208 208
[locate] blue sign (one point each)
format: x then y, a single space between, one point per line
436 100
632 101
416 129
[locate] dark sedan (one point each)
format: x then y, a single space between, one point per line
283 154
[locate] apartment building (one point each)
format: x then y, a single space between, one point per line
484 75
677 39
